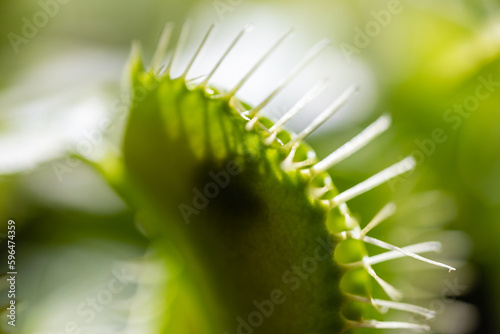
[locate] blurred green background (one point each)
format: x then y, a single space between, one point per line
434 65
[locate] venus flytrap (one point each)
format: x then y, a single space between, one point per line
247 242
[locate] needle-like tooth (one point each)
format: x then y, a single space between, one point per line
162 46
198 51
424 247
325 115
391 291
410 308
387 211
245 30
287 164
354 145
178 47
389 325
388 246
259 63
305 100
249 126
309 57
395 170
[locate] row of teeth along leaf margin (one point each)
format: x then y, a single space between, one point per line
316 171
